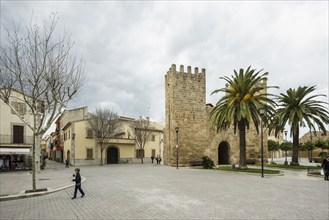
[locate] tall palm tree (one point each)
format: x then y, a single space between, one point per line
245 94
298 107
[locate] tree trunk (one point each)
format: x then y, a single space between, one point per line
34 186
37 152
242 137
272 156
35 155
295 148
102 149
142 156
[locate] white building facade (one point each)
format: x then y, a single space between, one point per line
16 138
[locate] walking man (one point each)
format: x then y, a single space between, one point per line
77 181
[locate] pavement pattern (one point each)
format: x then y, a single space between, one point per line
150 191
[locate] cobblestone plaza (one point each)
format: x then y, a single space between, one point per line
147 191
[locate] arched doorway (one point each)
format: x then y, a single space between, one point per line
112 155
68 153
223 153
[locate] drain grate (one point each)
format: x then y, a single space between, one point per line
44 179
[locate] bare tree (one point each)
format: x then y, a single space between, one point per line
105 125
141 132
45 71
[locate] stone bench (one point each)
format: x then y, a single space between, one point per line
196 162
251 161
124 161
317 159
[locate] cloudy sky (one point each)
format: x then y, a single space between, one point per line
129 46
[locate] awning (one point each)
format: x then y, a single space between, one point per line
12 150
59 147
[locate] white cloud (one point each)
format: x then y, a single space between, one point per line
129 46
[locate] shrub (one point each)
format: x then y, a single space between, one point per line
323 155
207 162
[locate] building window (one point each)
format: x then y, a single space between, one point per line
140 153
19 107
153 137
89 154
69 134
153 152
89 133
18 134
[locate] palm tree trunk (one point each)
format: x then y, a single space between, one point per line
242 137
295 147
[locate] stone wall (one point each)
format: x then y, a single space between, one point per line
185 108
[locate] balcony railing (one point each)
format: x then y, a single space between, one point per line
9 139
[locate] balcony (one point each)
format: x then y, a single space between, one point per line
9 139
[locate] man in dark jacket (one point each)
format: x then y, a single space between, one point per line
77 181
325 166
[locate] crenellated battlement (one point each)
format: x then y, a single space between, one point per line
187 74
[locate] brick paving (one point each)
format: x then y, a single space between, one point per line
54 176
147 191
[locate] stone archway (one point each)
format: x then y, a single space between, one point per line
112 154
223 153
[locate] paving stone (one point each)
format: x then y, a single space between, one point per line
145 191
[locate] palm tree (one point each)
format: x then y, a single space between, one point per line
245 94
299 108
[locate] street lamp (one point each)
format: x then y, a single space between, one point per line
161 140
261 113
285 152
177 129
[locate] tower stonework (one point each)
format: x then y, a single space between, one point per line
185 108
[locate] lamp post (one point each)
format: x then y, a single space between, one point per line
177 129
285 152
161 140
261 113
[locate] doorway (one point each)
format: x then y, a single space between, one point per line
112 155
223 153
68 155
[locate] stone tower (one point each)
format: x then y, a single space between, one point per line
186 108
